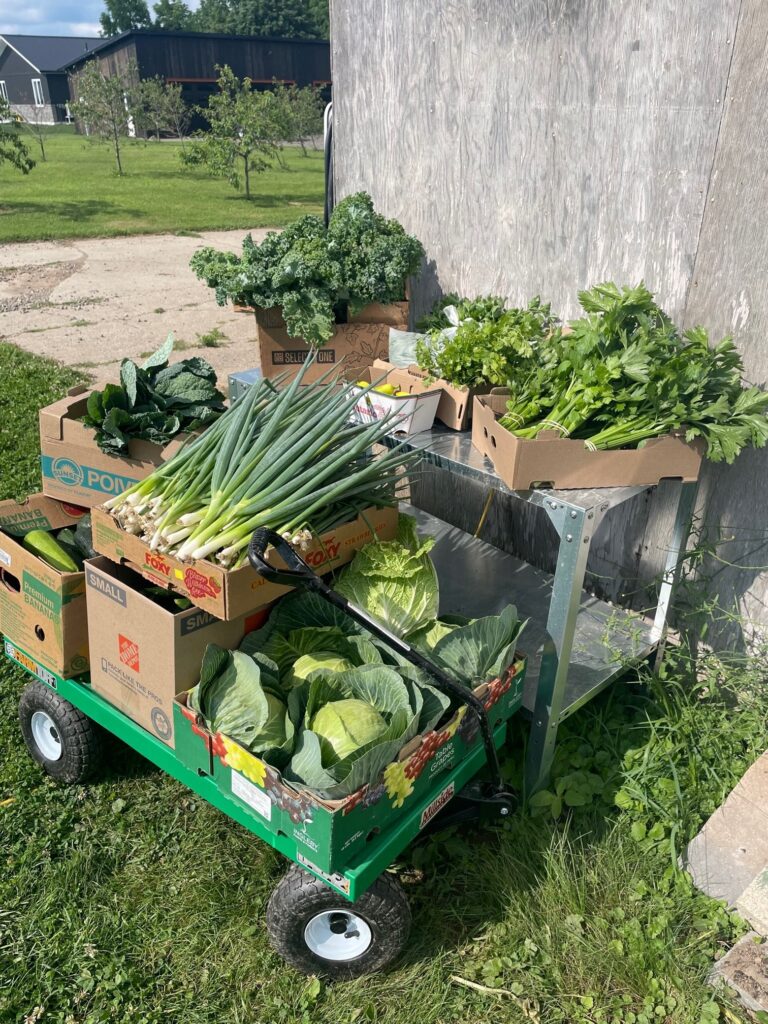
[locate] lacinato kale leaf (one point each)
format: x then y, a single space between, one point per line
154 402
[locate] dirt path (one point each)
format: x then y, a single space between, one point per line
91 302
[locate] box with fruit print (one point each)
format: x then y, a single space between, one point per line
333 833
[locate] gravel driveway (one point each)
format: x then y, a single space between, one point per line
91 302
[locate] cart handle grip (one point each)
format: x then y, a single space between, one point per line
299 574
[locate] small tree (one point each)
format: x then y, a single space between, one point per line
307 105
178 113
12 148
105 104
123 15
149 105
245 128
33 125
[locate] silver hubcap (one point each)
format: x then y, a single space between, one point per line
46 736
338 935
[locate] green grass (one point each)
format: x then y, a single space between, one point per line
77 194
130 900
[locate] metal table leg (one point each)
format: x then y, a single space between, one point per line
685 504
575 528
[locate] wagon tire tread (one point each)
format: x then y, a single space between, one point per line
82 740
300 896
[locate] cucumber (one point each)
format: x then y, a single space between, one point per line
45 546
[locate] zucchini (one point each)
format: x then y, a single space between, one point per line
45 546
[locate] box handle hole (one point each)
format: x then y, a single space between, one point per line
40 633
10 582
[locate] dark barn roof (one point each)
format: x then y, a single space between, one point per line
51 53
103 45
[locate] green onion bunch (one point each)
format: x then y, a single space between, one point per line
292 458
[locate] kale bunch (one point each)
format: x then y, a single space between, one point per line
317 274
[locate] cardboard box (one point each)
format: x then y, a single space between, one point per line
414 413
357 343
143 655
229 594
454 409
75 469
554 461
41 609
334 832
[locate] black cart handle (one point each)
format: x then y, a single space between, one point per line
299 574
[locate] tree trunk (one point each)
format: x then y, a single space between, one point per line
42 147
117 153
247 178
303 147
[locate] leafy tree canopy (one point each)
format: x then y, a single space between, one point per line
123 15
172 15
12 148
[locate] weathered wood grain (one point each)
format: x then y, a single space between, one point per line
541 147
535 147
729 294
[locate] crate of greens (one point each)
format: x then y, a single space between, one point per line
96 444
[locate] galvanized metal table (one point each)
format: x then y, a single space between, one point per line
577 645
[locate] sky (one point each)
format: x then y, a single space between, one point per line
54 17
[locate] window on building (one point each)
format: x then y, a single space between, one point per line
3 92
37 90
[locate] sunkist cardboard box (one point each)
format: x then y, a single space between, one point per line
41 609
230 593
559 462
142 655
75 469
364 338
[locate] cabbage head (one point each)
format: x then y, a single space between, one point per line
323 661
344 726
240 696
402 709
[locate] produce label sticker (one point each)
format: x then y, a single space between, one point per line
437 805
5 559
251 795
31 666
73 474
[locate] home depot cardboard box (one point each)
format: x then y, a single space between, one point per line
142 655
75 469
364 338
230 593
554 461
41 609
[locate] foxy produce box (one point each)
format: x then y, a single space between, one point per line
332 833
41 609
230 593
415 412
364 338
142 655
75 469
559 462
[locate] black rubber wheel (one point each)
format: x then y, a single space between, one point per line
60 737
318 932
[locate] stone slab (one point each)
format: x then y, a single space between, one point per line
732 848
745 969
753 903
